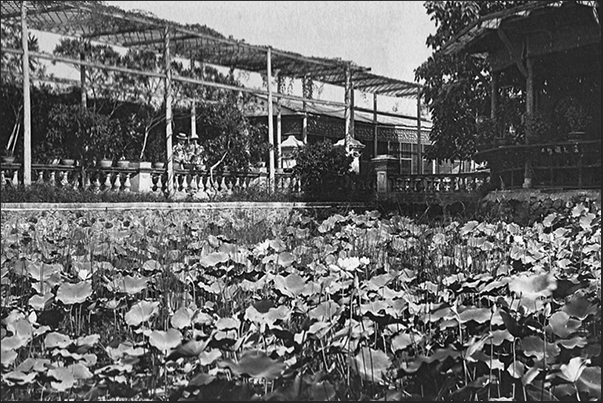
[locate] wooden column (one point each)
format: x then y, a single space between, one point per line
270 119
347 110
419 145
279 124
305 117
26 99
494 95
168 114
530 109
83 95
193 118
375 127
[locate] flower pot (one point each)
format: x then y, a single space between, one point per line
158 165
105 163
123 164
8 159
68 161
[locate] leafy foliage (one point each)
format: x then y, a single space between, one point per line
456 87
210 305
322 168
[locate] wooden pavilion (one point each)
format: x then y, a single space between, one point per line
551 52
115 27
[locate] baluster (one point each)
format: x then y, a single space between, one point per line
185 183
127 183
87 183
159 183
117 182
193 184
52 179
237 183
222 183
76 181
107 181
97 184
3 179
40 180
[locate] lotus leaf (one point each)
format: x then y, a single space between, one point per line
371 364
292 285
516 369
57 340
141 312
42 271
64 376
533 286
404 340
563 325
580 307
36 364
576 341
182 318
228 323
189 348
214 259
572 371
208 357
325 310
165 340
479 315
70 294
534 346
39 302
7 355
256 364
590 382
129 284
152 266
19 378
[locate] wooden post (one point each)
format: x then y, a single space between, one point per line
279 121
193 118
168 113
419 145
83 95
305 117
494 95
26 99
270 119
530 108
375 128
347 111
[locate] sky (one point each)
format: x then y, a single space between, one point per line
387 36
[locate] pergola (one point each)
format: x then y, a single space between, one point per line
537 41
113 26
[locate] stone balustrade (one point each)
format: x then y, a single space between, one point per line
199 184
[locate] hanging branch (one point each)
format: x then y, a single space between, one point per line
12 141
211 171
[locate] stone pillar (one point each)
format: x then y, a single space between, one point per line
142 181
384 165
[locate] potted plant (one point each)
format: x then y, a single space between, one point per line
536 126
577 119
487 132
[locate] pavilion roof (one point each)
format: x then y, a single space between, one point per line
138 30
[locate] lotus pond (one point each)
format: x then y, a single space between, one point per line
197 305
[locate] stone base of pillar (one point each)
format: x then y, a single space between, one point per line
142 181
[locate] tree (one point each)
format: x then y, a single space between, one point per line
322 169
456 87
12 83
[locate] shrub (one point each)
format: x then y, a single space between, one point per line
323 170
